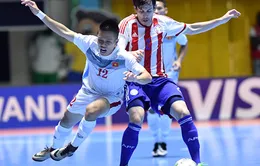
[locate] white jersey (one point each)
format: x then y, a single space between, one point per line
170 51
134 36
104 74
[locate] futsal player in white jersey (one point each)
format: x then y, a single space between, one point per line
102 90
146 30
160 126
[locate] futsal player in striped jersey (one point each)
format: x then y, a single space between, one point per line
160 125
146 30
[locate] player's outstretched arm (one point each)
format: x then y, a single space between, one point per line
200 27
55 26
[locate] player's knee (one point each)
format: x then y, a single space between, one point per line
183 111
136 115
66 124
136 119
97 108
66 121
179 110
91 114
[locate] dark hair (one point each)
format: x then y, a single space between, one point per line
139 3
110 25
163 1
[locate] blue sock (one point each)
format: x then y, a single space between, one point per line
190 137
129 143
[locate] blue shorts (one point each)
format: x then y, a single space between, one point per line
155 94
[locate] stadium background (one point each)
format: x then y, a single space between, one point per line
217 81
216 75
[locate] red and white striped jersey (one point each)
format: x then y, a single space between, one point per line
134 36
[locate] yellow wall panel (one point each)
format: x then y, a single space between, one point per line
122 8
196 64
251 9
219 40
239 42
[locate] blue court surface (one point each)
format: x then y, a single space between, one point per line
230 145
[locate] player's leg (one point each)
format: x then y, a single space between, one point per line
93 110
137 101
75 112
131 134
165 122
165 128
153 121
181 113
175 106
62 131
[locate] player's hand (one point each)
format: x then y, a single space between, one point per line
139 54
230 14
32 5
129 76
176 66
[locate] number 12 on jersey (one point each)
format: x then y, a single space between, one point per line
102 73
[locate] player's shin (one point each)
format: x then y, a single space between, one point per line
165 126
60 135
153 121
190 137
129 143
85 128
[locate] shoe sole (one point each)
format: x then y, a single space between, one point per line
39 160
159 155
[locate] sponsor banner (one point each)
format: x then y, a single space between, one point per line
217 99
35 106
207 99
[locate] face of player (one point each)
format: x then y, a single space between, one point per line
160 8
145 14
107 41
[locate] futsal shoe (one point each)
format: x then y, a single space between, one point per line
62 153
42 155
155 149
159 150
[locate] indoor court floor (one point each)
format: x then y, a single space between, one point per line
225 143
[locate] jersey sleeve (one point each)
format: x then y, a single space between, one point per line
123 33
132 65
83 42
174 28
182 39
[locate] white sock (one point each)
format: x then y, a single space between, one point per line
85 128
165 126
153 121
60 136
